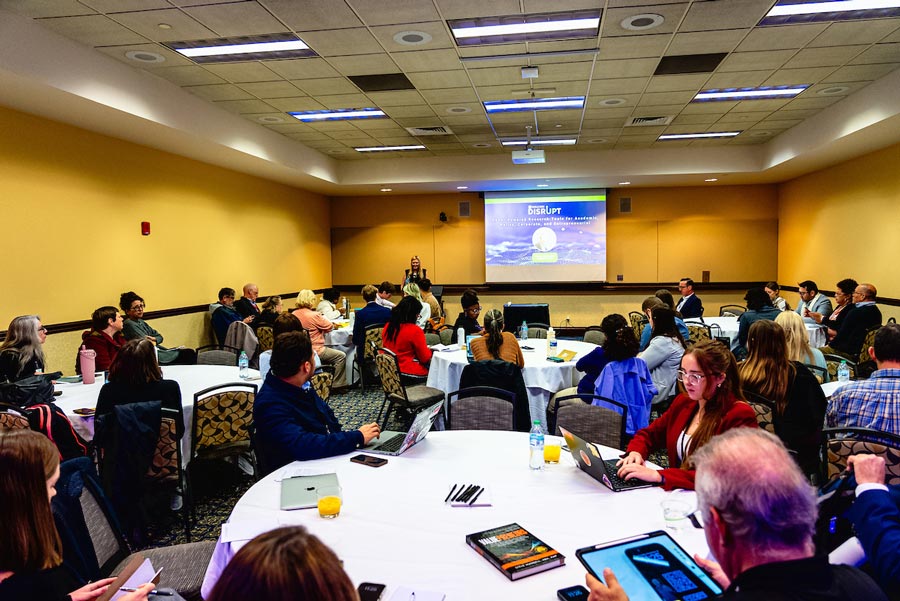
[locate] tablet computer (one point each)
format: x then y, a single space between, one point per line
651 566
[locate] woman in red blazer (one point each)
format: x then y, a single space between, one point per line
406 339
712 402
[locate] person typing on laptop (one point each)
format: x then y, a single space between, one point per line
292 422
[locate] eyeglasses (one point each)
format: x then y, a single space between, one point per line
42 330
685 377
137 307
474 309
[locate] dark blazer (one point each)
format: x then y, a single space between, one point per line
245 307
876 518
692 308
370 315
852 334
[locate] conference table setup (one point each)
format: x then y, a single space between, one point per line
191 380
727 326
395 527
543 378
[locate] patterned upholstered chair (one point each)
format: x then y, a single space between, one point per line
481 408
166 465
321 383
266 338
412 398
841 443
833 362
637 320
765 410
366 363
10 419
577 414
699 331
865 365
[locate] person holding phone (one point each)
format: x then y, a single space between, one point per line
759 515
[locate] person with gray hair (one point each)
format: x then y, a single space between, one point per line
759 514
21 353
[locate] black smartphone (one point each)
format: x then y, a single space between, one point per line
573 593
369 591
369 460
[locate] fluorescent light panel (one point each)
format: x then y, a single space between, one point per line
387 148
337 114
534 104
767 92
262 47
709 134
243 48
515 28
835 10
558 142
526 28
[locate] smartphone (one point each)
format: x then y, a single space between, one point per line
369 460
369 591
555 359
573 593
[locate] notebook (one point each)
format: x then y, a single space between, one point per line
300 492
396 443
588 458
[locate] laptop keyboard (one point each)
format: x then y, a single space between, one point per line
614 479
392 444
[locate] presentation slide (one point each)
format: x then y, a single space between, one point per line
557 236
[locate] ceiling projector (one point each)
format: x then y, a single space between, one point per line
528 157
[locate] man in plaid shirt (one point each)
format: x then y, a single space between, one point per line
872 403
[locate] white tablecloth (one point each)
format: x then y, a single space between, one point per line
729 328
542 377
341 339
395 529
829 388
191 379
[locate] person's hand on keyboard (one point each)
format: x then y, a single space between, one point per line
631 471
370 431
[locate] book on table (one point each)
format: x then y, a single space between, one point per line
515 551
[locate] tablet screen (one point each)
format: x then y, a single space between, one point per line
651 566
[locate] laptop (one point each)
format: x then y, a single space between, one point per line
396 443
299 492
588 458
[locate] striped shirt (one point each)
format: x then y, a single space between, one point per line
872 403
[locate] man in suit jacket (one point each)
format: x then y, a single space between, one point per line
690 306
876 518
811 301
371 314
864 315
246 305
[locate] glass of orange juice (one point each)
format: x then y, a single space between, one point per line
329 501
552 446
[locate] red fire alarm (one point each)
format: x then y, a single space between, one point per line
145 228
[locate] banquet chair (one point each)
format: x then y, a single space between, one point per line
699 331
538 330
218 354
865 365
600 424
266 337
10 419
503 375
367 360
447 336
481 408
594 335
841 443
411 398
432 338
166 469
321 383
833 362
638 320
764 409
732 310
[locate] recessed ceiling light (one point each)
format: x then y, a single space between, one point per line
540 142
165 26
712 179
598 141
337 151
543 185
708 134
270 119
642 22
789 11
558 125
760 134
833 90
143 56
462 187
534 104
247 48
412 38
515 28
386 148
481 145
760 93
612 101
337 114
387 189
624 183
457 110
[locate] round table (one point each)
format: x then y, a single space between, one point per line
395 529
341 339
542 377
191 379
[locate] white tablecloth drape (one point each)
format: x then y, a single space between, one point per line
341 339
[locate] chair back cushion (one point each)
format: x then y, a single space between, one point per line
373 336
481 413
596 337
389 370
217 357
593 423
699 332
839 449
266 338
164 468
321 383
12 420
222 418
504 375
765 416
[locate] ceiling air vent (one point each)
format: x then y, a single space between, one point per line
644 121
438 130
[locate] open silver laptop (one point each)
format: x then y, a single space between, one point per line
396 443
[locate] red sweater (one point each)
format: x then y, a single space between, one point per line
410 347
665 431
107 348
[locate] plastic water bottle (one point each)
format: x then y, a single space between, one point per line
461 338
843 372
523 332
243 366
536 442
551 343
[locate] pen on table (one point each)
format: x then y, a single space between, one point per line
478 494
129 589
450 494
469 494
458 493
463 494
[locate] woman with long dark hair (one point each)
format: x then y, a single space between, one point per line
22 353
712 402
497 344
663 354
407 340
798 398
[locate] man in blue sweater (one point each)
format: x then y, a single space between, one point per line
292 422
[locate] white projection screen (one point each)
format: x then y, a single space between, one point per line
545 236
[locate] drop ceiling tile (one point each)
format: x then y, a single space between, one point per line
603 123
645 46
640 134
467 123
397 140
438 32
599 133
332 126
818 102
612 27
593 102
442 109
737 79
564 46
242 72
823 57
342 42
184 3
859 73
755 61
507 92
219 92
440 79
402 112
855 32
313 15
498 75
272 89
708 108
463 9
493 50
435 145
779 124
366 64
378 12
181 26
687 119
454 95
851 88
704 42
759 105
309 136
296 104
745 117
173 59
620 69
427 60
789 77
516 118
325 86
615 87
356 138
115 6
244 106
785 37
373 126
666 98
594 112
238 19
681 128
894 37
398 98
302 68
733 14
187 76
678 83
93 30
658 110
472 137
785 113
282 128
45 8
879 53
572 71
345 101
